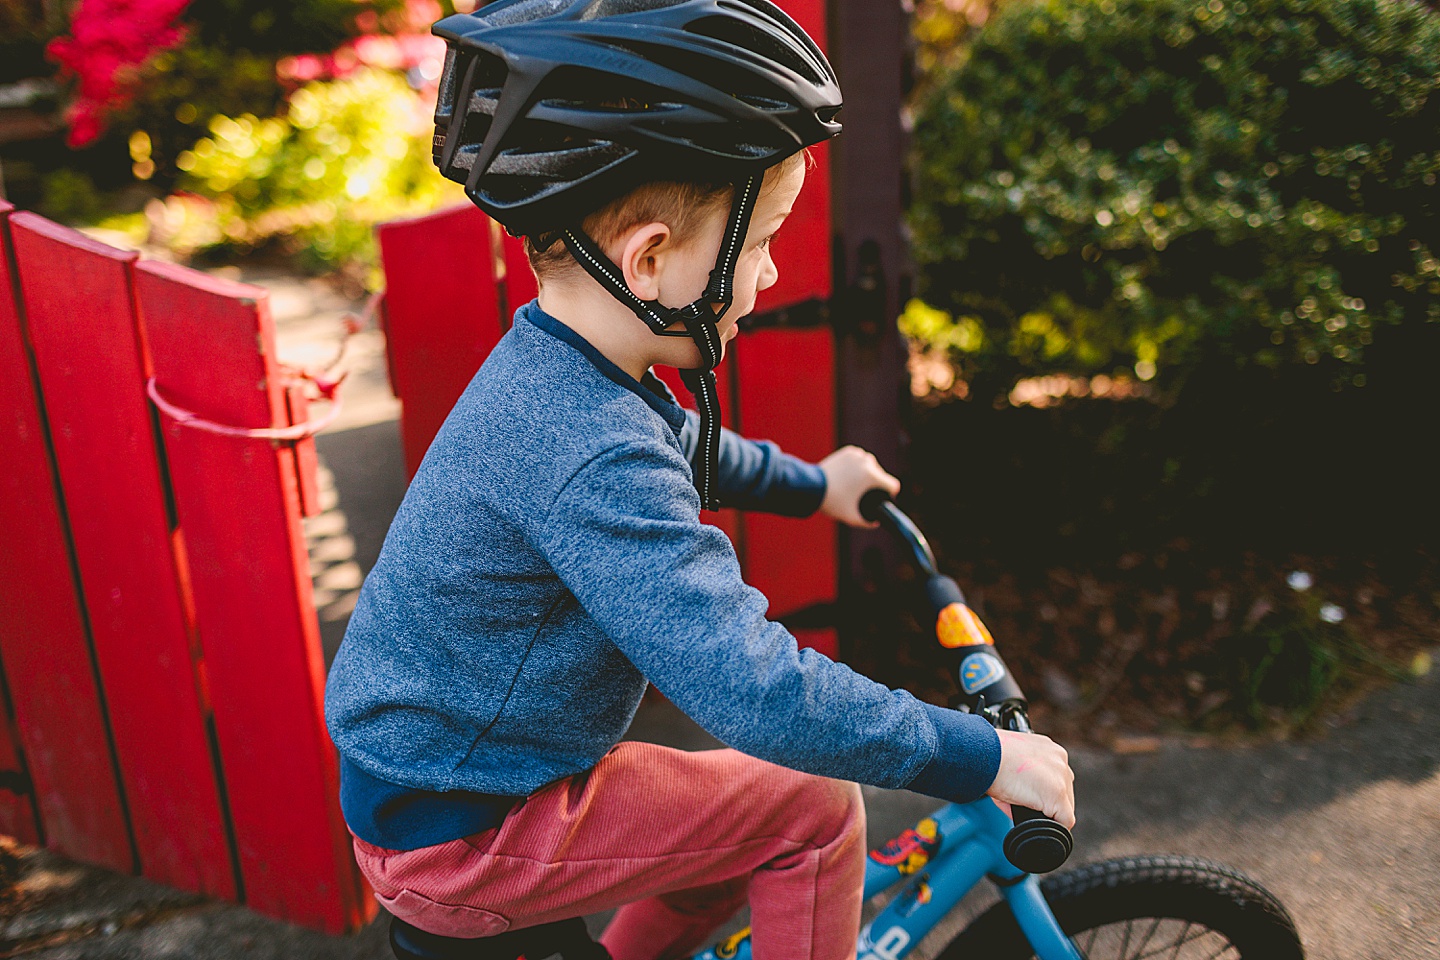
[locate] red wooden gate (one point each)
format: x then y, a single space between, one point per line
158 638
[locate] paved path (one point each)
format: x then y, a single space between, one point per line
1345 829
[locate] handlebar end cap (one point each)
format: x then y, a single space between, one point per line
1038 846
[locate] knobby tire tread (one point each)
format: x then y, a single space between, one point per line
1140 887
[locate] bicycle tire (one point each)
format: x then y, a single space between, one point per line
1146 906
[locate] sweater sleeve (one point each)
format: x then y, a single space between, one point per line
625 537
758 475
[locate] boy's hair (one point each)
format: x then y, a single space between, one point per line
683 206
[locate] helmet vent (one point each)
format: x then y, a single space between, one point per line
578 88
576 160
763 103
751 38
464 158
484 101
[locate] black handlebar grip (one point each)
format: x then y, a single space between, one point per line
1037 844
870 502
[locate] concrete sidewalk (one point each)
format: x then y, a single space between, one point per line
1344 829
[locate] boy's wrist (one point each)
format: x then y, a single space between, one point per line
966 760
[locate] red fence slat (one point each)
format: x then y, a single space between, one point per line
787 395
238 503
17 808
802 247
520 284
801 250
79 303
47 656
442 314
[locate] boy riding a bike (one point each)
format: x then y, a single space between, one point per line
548 560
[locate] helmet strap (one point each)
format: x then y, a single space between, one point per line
700 319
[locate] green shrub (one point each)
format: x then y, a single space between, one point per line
1109 184
345 155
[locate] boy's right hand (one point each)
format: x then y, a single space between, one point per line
1035 773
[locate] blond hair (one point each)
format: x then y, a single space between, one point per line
683 206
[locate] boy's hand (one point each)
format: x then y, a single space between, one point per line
849 473
1035 773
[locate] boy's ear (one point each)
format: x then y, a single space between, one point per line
642 258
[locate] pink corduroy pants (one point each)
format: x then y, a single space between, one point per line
678 841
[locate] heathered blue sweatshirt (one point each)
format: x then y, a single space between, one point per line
547 560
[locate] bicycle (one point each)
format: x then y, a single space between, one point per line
1129 908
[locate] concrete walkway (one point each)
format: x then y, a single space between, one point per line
1344 829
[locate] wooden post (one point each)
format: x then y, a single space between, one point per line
871 264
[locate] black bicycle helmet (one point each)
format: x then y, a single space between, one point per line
549 109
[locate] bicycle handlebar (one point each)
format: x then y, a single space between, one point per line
1036 844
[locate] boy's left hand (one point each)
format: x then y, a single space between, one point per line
849 473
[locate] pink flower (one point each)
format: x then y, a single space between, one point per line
110 40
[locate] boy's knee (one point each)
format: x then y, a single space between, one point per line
834 806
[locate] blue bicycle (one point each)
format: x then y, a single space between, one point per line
1131 908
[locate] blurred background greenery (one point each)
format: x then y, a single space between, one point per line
1175 323
1173 345
221 127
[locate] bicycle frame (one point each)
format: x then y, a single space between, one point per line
945 855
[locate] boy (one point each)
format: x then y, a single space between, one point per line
548 558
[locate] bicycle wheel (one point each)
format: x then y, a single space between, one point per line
1136 908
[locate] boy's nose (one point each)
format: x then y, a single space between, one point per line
768 273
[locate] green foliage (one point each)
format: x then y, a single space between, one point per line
183 88
25 25
1298 656
345 155
1106 184
70 196
263 27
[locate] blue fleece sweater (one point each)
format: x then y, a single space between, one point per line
547 560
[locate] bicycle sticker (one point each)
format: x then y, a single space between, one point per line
888 947
731 945
914 897
957 626
978 671
912 849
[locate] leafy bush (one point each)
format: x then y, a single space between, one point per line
345 155
1109 184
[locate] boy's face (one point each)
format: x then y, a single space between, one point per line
687 270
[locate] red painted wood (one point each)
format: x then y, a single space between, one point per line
520 284
238 502
810 14
307 460
58 710
17 796
79 302
801 249
442 314
787 395
826 641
